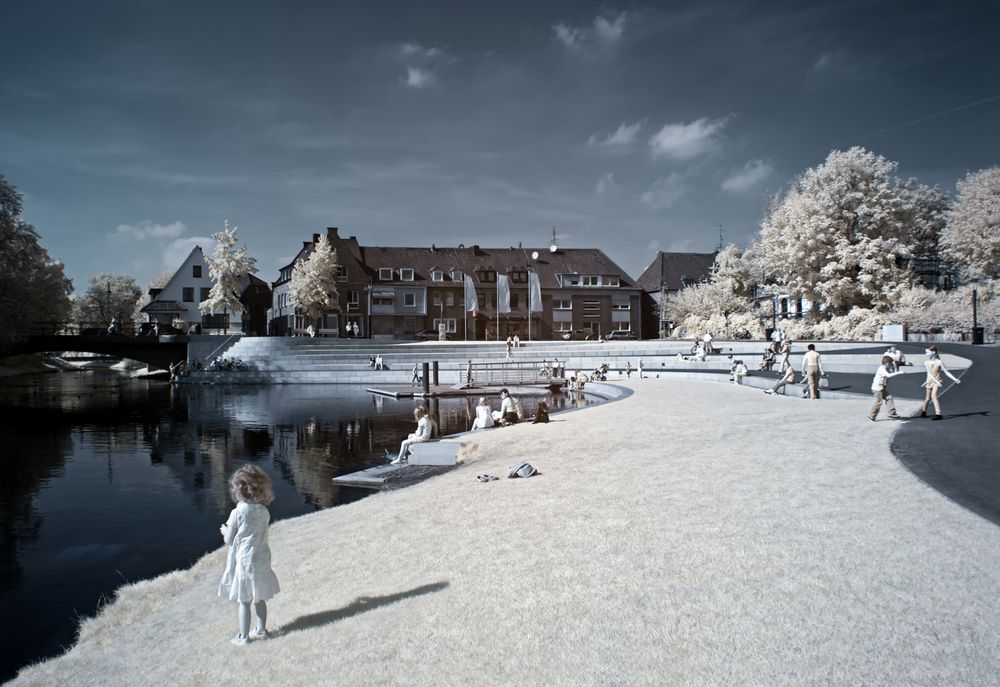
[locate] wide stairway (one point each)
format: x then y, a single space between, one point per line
347 361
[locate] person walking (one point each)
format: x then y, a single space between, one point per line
415 379
628 369
812 367
355 329
468 372
934 382
639 368
880 389
785 352
510 348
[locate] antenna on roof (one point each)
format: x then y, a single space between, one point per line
554 246
721 239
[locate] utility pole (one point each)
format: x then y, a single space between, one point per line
721 239
664 334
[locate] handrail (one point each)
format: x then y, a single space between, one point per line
228 339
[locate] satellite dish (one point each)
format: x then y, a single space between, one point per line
534 255
553 248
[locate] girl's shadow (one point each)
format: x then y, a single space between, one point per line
360 605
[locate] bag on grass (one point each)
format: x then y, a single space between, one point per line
521 470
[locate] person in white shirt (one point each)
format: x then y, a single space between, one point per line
812 368
707 341
739 372
880 389
484 415
509 408
934 381
425 432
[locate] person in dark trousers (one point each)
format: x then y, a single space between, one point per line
880 389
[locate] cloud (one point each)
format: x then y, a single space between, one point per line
418 78
605 183
825 60
753 172
624 135
604 32
421 64
685 141
665 192
178 250
146 229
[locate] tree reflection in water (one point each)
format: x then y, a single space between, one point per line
106 480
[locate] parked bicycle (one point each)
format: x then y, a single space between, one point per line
228 365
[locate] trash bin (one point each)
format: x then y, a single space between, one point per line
977 336
767 333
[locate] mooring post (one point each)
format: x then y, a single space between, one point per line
427 378
436 371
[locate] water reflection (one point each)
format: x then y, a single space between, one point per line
105 480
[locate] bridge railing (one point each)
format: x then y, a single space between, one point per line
513 373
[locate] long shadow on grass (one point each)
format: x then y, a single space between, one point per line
360 605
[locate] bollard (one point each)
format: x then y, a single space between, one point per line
436 371
427 378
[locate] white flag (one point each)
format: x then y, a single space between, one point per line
534 293
471 302
503 294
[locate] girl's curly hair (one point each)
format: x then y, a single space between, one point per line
252 485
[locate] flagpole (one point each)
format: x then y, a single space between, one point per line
498 307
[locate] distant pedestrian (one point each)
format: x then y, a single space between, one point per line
880 389
248 579
348 330
371 361
415 378
785 352
509 355
934 382
628 369
788 378
639 368
517 341
379 364
468 372
739 372
813 369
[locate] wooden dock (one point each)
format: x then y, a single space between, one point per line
385 477
441 391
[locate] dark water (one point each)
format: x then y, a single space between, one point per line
105 480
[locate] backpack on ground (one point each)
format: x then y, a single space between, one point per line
521 470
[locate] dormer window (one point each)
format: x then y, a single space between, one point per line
590 280
406 274
457 275
385 274
437 275
519 276
612 281
487 275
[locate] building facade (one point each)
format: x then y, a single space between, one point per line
407 292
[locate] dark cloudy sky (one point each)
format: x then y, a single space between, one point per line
135 127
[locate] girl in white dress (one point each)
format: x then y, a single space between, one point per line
934 381
484 415
425 432
248 579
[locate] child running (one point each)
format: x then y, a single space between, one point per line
248 578
934 382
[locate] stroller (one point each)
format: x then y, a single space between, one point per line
600 374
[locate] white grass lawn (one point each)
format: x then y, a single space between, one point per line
694 533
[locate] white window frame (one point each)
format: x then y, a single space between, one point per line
449 299
406 274
407 298
612 281
627 305
562 303
590 280
436 299
457 275
451 324
437 275
385 274
563 327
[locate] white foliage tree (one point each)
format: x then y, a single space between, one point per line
843 234
972 236
108 296
226 266
724 303
314 280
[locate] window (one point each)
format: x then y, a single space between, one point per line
188 296
450 323
196 271
436 299
382 300
620 305
564 326
341 273
623 327
437 275
354 297
519 276
562 304
204 293
406 274
569 279
590 280
486 276
450 299
457 275
410 300
612 281
385 273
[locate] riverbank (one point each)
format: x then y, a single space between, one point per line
691 533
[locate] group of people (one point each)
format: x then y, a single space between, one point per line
889 368
375 362
812 369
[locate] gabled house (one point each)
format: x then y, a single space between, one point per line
176 303
669 272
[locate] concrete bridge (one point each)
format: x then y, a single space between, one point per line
156 351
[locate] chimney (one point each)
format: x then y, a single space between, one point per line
331 233
315 239
305 244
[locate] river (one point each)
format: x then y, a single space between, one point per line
106 480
